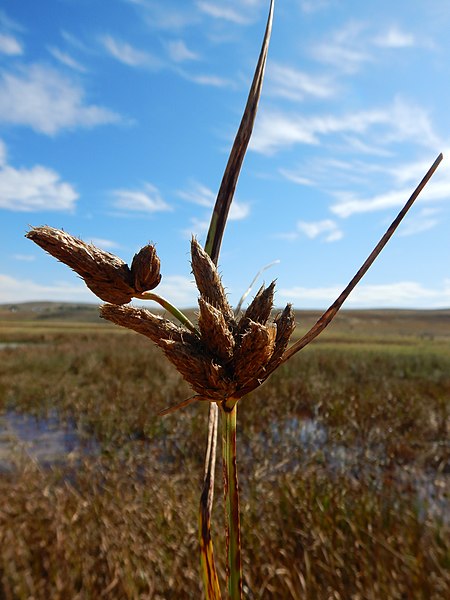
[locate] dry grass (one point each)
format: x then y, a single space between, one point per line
340 510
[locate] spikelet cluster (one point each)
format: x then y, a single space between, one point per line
108 276
228 357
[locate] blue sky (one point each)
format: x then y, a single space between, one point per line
116 118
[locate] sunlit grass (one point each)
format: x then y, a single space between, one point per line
345 514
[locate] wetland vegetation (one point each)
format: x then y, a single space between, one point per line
344 462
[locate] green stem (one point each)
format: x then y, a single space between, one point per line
176 312
231 498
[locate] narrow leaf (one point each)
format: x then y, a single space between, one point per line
329 314
233 168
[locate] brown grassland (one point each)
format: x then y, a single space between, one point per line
343 453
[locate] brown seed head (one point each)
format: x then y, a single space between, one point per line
253 353
215 332
145 269
285 324
259 309
208 280
143 321
105 274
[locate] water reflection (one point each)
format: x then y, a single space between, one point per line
45 441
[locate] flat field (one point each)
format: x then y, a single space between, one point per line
343 456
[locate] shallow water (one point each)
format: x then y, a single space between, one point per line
46 442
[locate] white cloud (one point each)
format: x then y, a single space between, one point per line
104 244
169 15
438 189
128 55
313 229
35 189
203 196
3 153
179 52
24 257
345 49
41 98
25 290
402 294
394 38
238 211
66 59
180 290
211 80
10 45
290 83
399 122
327 230
148 200
198 194
219 11
312 6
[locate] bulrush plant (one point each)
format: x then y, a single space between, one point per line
225 356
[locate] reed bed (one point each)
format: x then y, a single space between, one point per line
342 460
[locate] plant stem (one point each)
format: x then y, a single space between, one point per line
176 312
231 499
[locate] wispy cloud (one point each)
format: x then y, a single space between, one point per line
24 257
350 203
170 15
208 80
181 290
393 37
179 52
148 200
35 189
326 230
103 243
220 11
128 55
10 45
66 59
344 49
426 219
402 294
41 98
25 290
286 82
203 196
312 6
396 123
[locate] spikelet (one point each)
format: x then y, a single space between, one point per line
143 321
105 274
145 269
214 331
285 324
253 353
259 309
208 280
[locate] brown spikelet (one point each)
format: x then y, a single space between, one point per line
255 349
260 308
208 280
105 274
215 332
285 324
143 321
205 376
145 269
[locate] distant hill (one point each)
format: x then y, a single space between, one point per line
371 323
50 311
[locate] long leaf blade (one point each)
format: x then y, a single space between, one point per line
233 168
331 312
